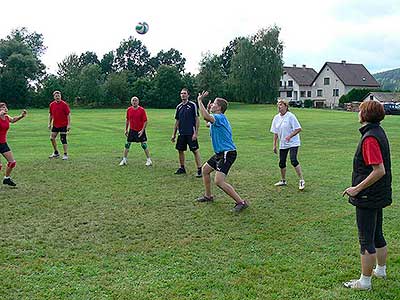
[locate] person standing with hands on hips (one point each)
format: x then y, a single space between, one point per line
286 128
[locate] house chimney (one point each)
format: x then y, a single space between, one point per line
343 62
304 66
294 65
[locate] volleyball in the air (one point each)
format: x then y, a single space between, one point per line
142 27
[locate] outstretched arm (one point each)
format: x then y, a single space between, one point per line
17 118
203 110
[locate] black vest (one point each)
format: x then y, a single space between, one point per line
379 194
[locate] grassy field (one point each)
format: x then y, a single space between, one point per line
87 228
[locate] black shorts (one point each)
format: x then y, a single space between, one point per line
59 129
223 161
133 137
4 148
184 140
370 233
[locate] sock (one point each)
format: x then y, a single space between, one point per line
7 177
65 153
380 269
365 280
56 152
199 169
183 167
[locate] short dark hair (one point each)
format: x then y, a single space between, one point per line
3 104
185 89
371 111
222 103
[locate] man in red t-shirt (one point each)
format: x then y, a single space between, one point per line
136 122
59 122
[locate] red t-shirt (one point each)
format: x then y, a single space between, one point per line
4 126
136 117
371 151
59 112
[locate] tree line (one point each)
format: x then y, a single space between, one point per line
248 70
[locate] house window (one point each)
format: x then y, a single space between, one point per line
326 81
289 94
335 93
319 93
308 93
302 94
290 83
371 97
280 83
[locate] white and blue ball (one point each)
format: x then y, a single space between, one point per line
142 27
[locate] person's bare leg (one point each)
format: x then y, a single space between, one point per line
226 187
207 170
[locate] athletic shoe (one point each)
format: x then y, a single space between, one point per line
149 162
379 274
199 175
301 184
281 183
123 162
240 206
53 155
204 198
180 171
65 157
355 284
9 182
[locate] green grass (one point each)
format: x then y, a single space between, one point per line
89 229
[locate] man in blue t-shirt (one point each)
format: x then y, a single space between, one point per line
187 124
224 148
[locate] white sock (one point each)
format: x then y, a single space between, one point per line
6 177
365 280
380 269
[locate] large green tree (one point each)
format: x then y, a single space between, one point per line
167 84
20 65
133 56
172 57
257 66
211 76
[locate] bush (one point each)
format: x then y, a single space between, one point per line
308 103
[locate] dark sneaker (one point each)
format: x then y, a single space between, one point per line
9 182
199 175
54 155
180 171
204 198
240 206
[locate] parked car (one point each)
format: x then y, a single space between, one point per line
391 108
296 103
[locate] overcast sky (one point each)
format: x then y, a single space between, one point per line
313 31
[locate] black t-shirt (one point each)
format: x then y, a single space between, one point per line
186 114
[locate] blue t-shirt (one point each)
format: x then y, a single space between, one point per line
186 115
221 134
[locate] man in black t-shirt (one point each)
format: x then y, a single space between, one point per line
187 124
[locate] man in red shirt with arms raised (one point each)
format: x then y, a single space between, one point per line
136 122
59 122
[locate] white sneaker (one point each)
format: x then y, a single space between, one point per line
65 157
123 162
149 162
356 285
53 155
379 274
301 184
281 183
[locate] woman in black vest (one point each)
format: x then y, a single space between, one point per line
370 192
